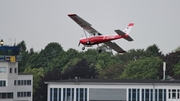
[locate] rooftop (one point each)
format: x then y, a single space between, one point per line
118 81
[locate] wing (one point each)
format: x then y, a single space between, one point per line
114 46
85 25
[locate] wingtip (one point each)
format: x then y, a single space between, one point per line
71 14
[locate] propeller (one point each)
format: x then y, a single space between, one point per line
79 44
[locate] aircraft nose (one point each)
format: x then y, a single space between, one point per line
82 41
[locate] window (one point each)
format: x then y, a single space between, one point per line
6 95
10 70
80 94
178 94
68 94
15 70
55 94
169 93
2 69
2 83
23 94
28 94
24 82
174 94
28 82
21 82
15 82
18 82
18 94
51 91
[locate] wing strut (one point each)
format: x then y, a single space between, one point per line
86 35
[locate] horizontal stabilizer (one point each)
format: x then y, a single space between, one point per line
129 38
121 33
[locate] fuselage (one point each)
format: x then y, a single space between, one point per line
100 39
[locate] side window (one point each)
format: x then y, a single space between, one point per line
28 82
15 70
24 82
2 83
15 82
10 70
2 69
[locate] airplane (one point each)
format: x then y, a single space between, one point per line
97 38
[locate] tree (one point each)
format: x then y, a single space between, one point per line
24 54
177 49
176 71
71 63
41 92
154 50
112 71
143 68
171 60
37 74
49 55
82 69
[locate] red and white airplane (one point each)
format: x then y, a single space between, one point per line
97 38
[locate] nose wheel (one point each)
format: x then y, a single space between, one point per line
83 48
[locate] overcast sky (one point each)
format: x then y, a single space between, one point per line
39 22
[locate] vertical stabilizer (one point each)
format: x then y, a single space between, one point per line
128 28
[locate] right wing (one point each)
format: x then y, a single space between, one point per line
114 46
84 24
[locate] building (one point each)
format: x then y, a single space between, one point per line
113 90
13 86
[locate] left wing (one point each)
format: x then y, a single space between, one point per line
84 24
114 46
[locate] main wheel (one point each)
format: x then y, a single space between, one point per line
83 48
99 51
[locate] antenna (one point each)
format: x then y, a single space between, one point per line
164 70
14 41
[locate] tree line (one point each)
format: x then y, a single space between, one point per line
53 63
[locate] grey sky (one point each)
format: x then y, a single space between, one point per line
40 22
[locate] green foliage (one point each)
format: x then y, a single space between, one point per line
70 64
154 50
57 64
24 54
37 74
176 70
144 68
112 71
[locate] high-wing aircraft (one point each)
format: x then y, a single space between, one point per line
97 38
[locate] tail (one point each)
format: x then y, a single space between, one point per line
128 28
126 32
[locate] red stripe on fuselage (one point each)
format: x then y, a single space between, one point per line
100 39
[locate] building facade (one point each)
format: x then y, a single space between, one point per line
113 90
13 86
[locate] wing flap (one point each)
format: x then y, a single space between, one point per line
114 46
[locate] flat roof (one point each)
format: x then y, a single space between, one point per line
118 80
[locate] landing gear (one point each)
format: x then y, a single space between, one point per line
83 48
100 50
